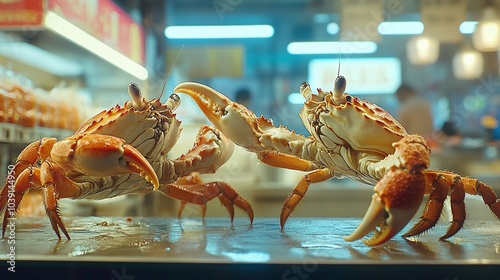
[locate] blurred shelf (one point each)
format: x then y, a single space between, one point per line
14 133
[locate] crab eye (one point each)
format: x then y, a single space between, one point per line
173 101
134 91
175 97
340 84
348 98
303 86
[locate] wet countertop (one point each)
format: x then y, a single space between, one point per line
312 243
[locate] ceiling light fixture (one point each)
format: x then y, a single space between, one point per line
296 98
73 33
468 64
219 31
400 28
486 37
468 27
332 28
422 50
331 47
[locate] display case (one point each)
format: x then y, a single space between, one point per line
71 59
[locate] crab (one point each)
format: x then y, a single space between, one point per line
352 138
122 151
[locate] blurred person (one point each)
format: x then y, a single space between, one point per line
244 97
448 135
415 112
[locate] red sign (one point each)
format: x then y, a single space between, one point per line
106 21
15 13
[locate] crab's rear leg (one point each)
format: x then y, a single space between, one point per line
447 182
191 189
29 178
441 184
54 184
34 152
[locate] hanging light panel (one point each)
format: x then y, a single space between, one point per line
422 50
468 64
486 37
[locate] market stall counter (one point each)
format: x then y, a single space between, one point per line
308 248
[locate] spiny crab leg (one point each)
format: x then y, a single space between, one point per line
101 155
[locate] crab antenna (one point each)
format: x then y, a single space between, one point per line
170 72
340 59
340 56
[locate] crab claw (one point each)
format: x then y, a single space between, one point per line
101 155
397 198
236 121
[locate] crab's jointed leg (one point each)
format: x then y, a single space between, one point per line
191 189
34 152
445 183
276 159
211 150
54 184
300 191
89 154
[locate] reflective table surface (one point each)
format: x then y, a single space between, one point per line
307 246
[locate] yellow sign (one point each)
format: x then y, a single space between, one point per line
442 19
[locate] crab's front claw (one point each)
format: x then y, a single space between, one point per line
397 198
236 121
101 155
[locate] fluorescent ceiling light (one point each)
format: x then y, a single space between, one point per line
39 58
400 28
331 47
368 75
71 32
468 27
219 31
296 98
332 28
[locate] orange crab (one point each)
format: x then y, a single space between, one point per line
350 138
122 151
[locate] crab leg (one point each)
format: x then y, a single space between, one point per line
447 182
29 178
276 159
192 190
38 150
211 150
441 185
25 175
300 191
54 184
